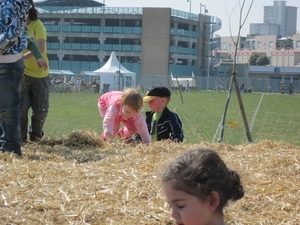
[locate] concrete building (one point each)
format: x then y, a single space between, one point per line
296 42
278 19
264 29
229 44
281 51
152 42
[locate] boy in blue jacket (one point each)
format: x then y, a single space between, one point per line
162 123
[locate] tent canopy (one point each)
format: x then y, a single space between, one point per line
183 81
67 72
89 73
113 66
113 72
62 72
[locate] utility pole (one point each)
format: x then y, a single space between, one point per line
208 50
120 27
190 1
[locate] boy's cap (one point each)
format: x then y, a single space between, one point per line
156 91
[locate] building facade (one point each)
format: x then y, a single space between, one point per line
283 54
264 29
278 19
281 51
152 42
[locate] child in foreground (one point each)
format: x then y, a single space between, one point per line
162 123
198 185
123 107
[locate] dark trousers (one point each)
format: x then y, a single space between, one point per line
10 79
34 95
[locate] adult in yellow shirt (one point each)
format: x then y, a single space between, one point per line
35 85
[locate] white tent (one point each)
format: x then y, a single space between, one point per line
183 81
109 74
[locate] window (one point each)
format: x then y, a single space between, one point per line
225 46
298 45
271 44
259 45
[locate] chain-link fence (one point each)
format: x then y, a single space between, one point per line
265 85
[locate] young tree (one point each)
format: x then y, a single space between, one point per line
242 21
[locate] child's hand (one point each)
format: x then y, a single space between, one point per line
41 64
128 140
119 135
109 136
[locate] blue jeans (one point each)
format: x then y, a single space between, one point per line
10 80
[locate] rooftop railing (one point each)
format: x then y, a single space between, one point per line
110 10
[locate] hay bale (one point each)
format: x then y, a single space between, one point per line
76 138
50 185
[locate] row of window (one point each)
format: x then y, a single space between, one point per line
259 45
94 47
94 29
113 47
186 33
250 45
111 29
180 50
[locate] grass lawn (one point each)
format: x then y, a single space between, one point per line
276 118
83 180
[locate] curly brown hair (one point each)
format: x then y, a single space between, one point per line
199 172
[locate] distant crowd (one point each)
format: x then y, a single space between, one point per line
73 84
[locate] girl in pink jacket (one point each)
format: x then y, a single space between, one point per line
123 107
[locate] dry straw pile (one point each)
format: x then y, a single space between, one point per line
80 180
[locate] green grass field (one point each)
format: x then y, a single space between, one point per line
277 118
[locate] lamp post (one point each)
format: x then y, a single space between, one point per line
208 48
120 27
120 46
283 66
190 1
208 66
208 44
